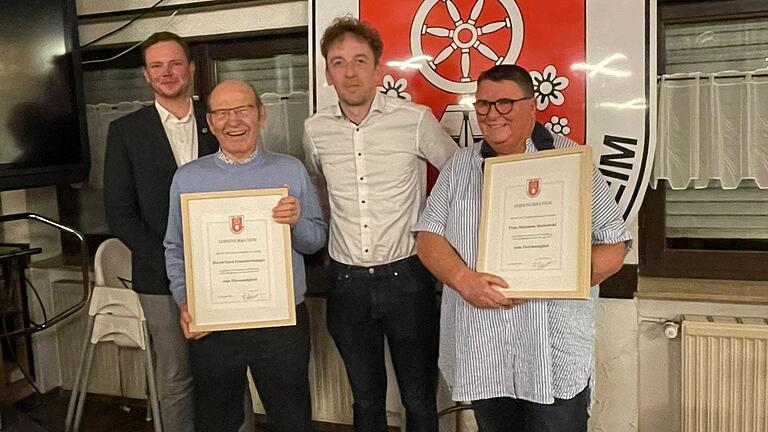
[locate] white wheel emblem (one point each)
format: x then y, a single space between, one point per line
466 37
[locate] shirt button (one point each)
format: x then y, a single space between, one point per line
370 270
361 179
365 226
363 201
359 154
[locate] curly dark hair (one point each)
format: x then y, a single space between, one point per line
344 25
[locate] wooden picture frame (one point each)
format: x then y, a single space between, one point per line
535 228
238 260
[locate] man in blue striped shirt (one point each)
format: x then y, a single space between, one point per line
525 365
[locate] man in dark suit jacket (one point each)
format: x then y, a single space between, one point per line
144 149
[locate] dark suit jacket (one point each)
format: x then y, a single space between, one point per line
138 170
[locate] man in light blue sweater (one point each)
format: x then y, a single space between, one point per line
278 357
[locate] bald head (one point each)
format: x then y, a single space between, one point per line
229 87
236 115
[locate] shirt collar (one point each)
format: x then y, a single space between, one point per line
229 161
487 151
166 116
378 105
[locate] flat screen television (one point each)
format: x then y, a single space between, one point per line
43 135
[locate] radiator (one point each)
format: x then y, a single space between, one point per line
115 371
725 374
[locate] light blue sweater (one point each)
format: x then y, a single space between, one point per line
265 170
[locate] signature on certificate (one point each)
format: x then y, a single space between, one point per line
543 262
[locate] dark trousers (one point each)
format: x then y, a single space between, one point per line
517 415
395 300
279 361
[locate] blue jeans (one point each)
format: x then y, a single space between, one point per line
395 300
278 358
507 414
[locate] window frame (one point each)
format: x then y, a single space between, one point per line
656 258
275 42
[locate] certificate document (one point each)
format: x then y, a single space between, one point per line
535 229
533 226
237 259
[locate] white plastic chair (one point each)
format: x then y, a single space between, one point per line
115 315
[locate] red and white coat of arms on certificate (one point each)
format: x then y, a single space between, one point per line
236 224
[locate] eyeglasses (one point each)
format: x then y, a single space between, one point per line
239 112
503 105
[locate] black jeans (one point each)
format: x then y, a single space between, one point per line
516 415
395 300
279 361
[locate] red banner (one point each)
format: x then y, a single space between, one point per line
462 38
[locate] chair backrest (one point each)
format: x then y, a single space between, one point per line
113 264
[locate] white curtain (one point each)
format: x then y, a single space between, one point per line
282 82
712 127
284 128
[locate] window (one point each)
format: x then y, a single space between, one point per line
708 214
278 69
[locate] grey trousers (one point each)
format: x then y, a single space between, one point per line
172 372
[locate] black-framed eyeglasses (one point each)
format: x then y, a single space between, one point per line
503 105
239 112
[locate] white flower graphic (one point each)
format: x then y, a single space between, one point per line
548 87
393 88
558 125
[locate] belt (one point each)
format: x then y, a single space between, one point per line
393 267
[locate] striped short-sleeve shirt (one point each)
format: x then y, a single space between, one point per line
537 351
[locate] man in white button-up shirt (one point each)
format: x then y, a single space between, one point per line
372 151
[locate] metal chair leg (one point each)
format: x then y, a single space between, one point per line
148 408
456 408
152 385
84 387
78 376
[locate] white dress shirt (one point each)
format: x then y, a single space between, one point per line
181 133
376 176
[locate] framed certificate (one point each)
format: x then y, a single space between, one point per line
535 228
237 260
